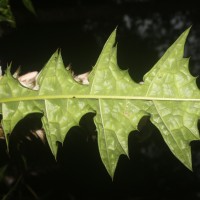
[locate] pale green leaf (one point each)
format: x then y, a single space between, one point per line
168 95
176 120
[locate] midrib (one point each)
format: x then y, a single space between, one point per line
117 97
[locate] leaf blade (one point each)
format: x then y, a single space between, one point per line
169 95
170 78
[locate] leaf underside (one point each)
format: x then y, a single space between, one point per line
169 95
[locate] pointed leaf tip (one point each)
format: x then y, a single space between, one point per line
111 39
186 32
8 71
184 35
58 51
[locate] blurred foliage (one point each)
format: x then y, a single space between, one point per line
6 14
28 4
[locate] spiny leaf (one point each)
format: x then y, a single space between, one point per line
60 113
176 120
114 120
168 95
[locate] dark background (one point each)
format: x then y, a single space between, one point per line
146 28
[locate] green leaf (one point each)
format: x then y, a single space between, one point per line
6 13
168 95
176 118
60 112
116 116
28 4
